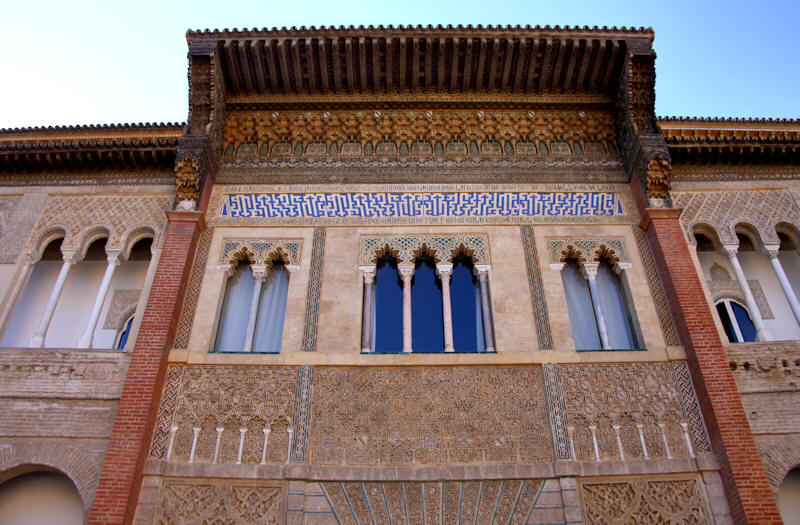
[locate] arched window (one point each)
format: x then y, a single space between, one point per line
40 497
388 308
789 497
465 296
615 309
736 321
599 312
31 305
427 325
579 307
246 325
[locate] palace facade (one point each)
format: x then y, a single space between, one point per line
403 275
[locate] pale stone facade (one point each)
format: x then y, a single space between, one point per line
327 181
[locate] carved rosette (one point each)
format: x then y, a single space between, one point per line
187 180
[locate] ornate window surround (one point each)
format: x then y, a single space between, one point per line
444 248
260 253
589 252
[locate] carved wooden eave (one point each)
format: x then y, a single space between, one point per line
89 148
732 141
415 61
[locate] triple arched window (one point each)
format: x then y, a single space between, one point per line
415 300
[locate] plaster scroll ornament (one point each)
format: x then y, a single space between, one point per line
658 187
186 182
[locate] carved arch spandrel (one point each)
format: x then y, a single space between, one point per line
81 219
721 211
589 250
261 251
406 248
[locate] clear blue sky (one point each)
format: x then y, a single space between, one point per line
103 62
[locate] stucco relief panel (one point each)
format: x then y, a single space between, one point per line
723 210
122 216
404 416
196 502
226 414
675 501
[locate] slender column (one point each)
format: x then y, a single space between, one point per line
590 272
406 272
619 442
593 430
640 428
88 333
663 426
37 341
483 282
571 436
195 433
755 313
366 315
788 291
259 275
444 271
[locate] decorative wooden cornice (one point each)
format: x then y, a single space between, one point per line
369 60
89 148
732 141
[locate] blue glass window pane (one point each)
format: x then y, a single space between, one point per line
427 328
726 322
123 338
745 324
466 308
579 308
388 308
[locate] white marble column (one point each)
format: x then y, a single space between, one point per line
590 272
755 314
444 271
482 270
85 340
368 273
406 272
37 341
771 251
259 276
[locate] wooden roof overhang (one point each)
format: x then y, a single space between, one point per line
89 148
732 141
416 61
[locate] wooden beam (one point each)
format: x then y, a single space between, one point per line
350 73
546 69
244 64
311 61
517 77
272 65
613 55
467 65
428 62
401 82
586 58
495 50
322 50
508 58
482 45
233 77
297 65
454 53
283 59
362 63
414 63
573 50
531 66
390 47
337 66
442 62
257 48
558 68
376 65
597 65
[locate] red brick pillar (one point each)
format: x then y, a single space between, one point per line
120 479
749 495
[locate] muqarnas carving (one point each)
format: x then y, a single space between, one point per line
440 415
677 501
391 133
226 414
201 502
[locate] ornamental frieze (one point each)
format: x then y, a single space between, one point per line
392 133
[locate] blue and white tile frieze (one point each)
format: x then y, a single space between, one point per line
422 204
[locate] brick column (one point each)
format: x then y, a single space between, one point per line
121 476
749 495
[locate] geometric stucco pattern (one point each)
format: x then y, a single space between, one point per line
656 288
445 503
406 248
226 414
638 407
674 501
122 305
436 415
537 288
193 289
260 251
121 216
723 210
8 207
201 502
588 250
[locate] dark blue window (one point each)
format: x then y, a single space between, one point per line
388 335
123 337
465 302
427 329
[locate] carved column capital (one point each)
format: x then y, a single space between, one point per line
406 271
368 273
730 250
260 272
444 271
770 251
590 271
